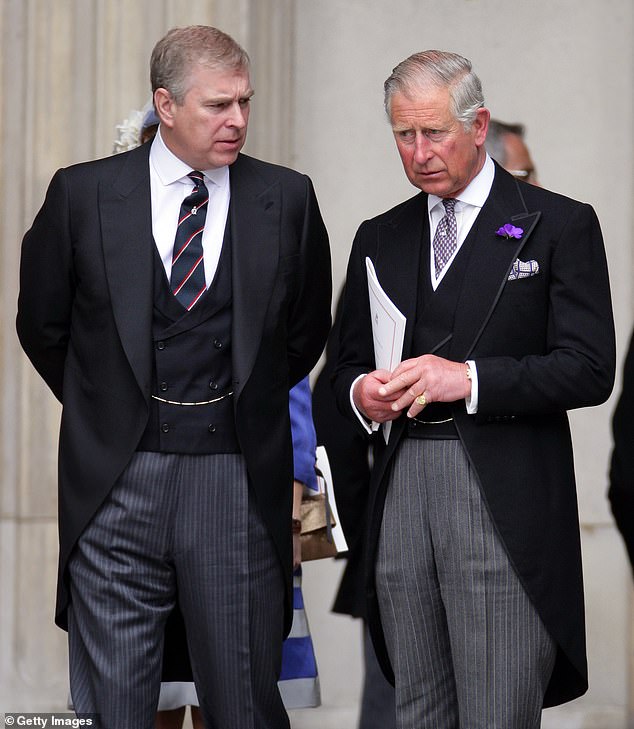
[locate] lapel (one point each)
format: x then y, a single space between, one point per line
490 261
397 260
126 230
255 214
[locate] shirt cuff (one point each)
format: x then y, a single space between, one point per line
369 426
472 401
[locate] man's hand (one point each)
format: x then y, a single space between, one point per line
438 379
369 400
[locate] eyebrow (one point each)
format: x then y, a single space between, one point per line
229 97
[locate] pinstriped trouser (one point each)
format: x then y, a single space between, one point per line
177 525
466 643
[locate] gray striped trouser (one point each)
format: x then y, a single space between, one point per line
177 527
467 646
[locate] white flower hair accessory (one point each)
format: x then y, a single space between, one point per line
129 132
130 129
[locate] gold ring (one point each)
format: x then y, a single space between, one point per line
421 400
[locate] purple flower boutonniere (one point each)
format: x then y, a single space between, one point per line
509 231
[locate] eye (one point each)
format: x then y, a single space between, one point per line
405 134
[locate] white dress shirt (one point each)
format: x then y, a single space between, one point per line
469 203
169 186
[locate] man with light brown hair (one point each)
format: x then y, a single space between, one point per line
170 296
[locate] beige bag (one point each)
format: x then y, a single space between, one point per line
317 523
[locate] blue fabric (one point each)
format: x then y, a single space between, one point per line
298 659
303 432
298 598
299 682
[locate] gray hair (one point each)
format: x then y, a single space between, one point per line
443 70
181 49
495 138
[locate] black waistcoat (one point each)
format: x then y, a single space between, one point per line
192 363
434 324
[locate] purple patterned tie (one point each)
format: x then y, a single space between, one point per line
187 280
446 236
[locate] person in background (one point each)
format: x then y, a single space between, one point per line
172 335
505 144
473 559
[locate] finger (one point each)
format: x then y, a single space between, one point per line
405 366
401 382
407 398
419 403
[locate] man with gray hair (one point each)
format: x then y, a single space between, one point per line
505 144
170 296
474 585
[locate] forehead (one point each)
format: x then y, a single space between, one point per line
424 107
219 81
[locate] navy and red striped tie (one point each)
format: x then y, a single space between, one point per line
187 280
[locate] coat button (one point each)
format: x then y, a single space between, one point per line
212 428
163 387
161 345
165 427
213 385
217 343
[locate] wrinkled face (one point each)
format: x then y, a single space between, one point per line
210 127
439 156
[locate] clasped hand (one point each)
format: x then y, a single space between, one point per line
383 395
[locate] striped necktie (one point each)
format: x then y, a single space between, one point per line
446 236
187 280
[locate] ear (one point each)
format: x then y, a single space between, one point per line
164 105
481 125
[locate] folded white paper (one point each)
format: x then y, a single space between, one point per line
388 331
328 487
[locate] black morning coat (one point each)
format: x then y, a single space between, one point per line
85 321
542 345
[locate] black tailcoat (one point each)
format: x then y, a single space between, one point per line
85 321
542 345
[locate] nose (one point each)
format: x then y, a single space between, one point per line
238 115
422 149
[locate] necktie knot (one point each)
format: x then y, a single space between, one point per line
196 177
450 204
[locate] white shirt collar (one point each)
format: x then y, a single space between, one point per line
476 192
169 168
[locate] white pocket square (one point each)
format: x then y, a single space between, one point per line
523 269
